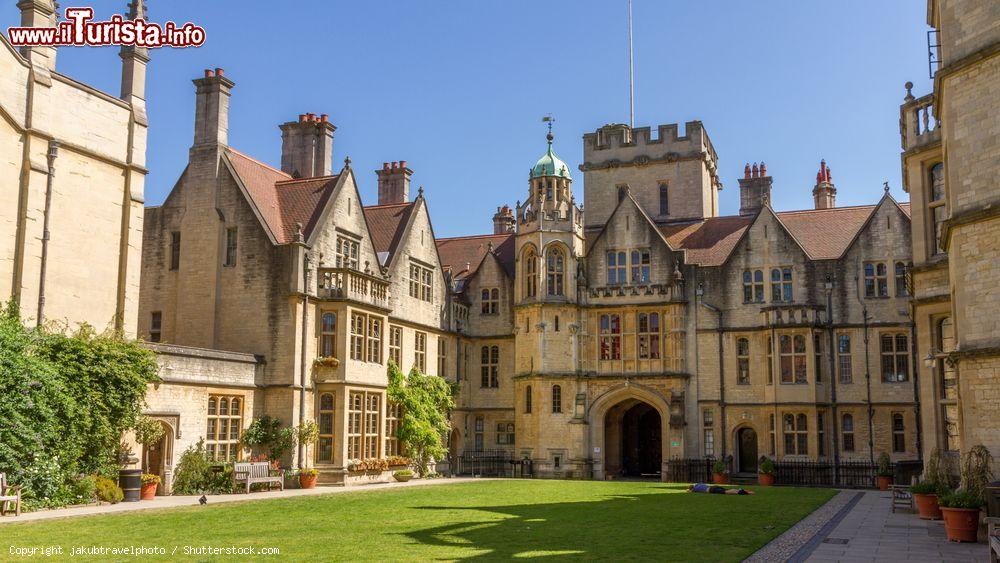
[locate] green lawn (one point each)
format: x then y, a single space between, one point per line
487 519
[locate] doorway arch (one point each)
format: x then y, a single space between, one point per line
746 450
646 426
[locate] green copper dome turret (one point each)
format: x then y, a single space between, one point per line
550 164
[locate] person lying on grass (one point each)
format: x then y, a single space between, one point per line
717 490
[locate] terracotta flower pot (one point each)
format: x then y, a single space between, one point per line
720 478
148 491
308 481
961 524
883 482
927 506
765 479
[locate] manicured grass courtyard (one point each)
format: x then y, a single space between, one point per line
484 519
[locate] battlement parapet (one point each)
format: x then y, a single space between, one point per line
619 144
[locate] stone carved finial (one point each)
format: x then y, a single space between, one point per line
420 191
298 232
347 162
909 92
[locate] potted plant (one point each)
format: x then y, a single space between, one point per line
326 362
308 478
926 494
149 484
403 475
961 515
883 473
765 472
307 434
720 473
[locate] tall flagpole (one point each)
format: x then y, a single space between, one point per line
631 72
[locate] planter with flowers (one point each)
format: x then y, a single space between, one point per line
149 484
720 473
961 509
765 472
926 495
884 473
308 478
325 368
403 475
369 470
397 461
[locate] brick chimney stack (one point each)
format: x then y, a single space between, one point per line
503 221
755 188
824 194
393 182
211 110
307 146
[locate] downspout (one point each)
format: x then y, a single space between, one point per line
722 372
303 364
916 368
833 379
868 371
50 176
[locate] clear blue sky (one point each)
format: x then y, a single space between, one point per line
458 89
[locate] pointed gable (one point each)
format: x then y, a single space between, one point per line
457 252
280 200
825 234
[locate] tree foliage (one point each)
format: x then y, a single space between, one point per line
65 401
426 401
266 435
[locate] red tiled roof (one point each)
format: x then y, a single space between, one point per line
281 200
826 233
905 205
387 223
707 242
456 252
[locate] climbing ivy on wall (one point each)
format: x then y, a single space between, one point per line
66 399
426 401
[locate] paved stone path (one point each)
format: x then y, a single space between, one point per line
177 501
783 547
871 532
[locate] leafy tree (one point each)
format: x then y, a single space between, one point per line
148 432
266 434
426 401
65 401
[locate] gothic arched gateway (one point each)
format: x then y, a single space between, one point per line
633 440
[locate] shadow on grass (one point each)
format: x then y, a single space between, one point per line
663 524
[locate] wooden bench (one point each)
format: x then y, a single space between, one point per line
251 472
994 538
902 497
9 494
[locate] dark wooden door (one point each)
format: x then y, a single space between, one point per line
748 450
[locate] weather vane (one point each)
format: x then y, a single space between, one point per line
550 120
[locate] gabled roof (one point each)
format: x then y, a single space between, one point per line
281 200
707 242
825 234
458 252
387 224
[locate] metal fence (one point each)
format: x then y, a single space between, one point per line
805 473
493 463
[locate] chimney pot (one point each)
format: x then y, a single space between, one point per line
402 164
209 73
763 170
385 166
324 118
219 71
302 117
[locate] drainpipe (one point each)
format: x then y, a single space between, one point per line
833 378
50 176
912 309
868 371
304 364
722 373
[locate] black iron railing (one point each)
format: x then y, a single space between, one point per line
849 474
493 463
690 470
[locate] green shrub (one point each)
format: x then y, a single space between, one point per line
65 401
425 401
196 474
403 473
960 499
83 489
766 467
884 466
720 468
107 490
929 488
265 434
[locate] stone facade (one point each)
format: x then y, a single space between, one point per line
949 168
69 151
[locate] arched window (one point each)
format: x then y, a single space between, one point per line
328 336
530 274
556 399
555 265
937 205
324 449
743 361
847 431
527 399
